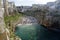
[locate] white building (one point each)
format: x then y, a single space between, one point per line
36 5
23 8
57 5
11 7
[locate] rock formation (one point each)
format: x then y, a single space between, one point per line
3 32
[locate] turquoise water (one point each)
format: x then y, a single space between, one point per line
36 32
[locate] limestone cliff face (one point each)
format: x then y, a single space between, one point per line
2 24
5 4
3 33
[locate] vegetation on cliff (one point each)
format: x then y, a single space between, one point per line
10 23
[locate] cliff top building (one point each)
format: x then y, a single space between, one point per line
57 5
50 4
11 4
11 8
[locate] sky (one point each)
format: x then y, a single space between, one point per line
30 2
